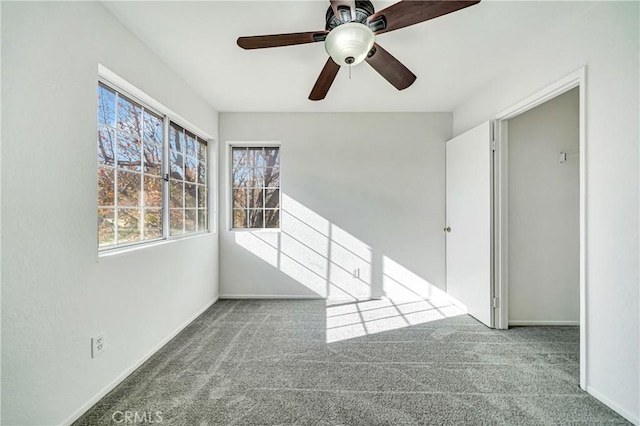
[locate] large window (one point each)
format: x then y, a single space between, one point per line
255 187
132 176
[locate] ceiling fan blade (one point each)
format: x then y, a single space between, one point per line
390 68
351 4
277 40
410 12
324 81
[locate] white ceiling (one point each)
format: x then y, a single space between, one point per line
453 56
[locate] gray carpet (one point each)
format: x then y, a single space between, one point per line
268 362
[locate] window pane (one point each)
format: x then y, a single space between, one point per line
129 116
106 106
152 224
129 229
239 157
106 227
202 151
202 173
176 196
272 197
190 217
177 165
273 157
128 152
255 198
272 177
176 219
241 177
153 127
190 200
239 198
153 158
152 191
202 196
202 220
272 218
106 142
176 138
191 148
190 169
256 219
106 186
128 188
258 177
259 159
239 218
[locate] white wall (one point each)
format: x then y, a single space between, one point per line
605 39
359 191
544 211
56 292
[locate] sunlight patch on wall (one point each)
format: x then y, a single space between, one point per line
399 283
264 245
314 252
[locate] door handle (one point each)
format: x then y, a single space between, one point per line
447 229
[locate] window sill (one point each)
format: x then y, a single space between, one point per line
275 230
117 251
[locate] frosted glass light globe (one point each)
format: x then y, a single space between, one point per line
349 44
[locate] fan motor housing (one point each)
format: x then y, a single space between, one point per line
364 9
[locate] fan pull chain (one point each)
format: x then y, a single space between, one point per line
349 71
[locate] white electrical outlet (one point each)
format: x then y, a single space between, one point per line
98 345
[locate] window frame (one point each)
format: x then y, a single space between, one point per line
184 181
229 185
122 87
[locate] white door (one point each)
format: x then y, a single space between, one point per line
469 221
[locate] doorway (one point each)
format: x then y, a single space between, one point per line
538 192
543 213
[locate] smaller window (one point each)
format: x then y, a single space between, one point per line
255 187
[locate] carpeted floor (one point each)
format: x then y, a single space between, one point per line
284 362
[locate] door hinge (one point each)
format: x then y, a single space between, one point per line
493 145
496 302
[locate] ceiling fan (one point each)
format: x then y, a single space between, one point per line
351 27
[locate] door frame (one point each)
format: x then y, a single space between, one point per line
501 202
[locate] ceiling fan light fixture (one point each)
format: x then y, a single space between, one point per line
349 44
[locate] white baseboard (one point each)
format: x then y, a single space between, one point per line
79 412
271 296
615 407
534 322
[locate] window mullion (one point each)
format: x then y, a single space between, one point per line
166 190
116 212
